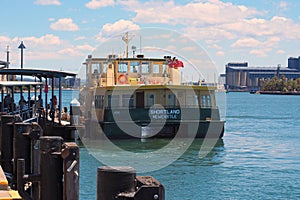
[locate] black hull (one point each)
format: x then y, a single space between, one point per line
169 123
202 129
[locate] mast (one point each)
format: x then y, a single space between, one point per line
127 38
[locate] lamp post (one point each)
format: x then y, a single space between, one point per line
22 46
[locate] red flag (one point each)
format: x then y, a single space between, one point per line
180 63
175 63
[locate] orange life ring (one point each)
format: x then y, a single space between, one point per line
122 79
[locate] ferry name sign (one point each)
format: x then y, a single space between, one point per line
173 114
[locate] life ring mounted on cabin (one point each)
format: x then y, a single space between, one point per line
122 79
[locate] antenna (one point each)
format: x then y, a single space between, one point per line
140 44
127 38
7 61
7 56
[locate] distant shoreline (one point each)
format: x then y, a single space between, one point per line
278 93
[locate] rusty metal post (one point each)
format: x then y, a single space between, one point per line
70 154
35 133
113 180
7 143
51 168
149 188
20 180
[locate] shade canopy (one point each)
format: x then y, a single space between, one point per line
41 73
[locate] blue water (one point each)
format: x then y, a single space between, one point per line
258 158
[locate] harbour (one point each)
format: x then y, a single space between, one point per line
210 164
249 162
149 100
257 159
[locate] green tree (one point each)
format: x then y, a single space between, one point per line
282 84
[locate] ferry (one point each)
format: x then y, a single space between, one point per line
143 97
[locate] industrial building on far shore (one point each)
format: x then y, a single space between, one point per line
241 77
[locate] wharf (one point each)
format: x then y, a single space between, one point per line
5 192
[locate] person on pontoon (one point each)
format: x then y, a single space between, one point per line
22 102
65 116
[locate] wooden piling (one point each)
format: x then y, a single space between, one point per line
7 143
22 148
70 154
51 169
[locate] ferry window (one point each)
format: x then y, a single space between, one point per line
205 101
208 101
192 100
171 100
156 68
113 101
150 100
99 100
104 67
123 67
96 68
127 100
164 69
134 67
145 67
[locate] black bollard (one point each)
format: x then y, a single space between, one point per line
51 168
7 143
1 113
114 180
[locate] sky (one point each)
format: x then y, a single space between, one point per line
59 34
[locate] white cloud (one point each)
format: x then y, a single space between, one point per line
271 42
79 50
94 4
277 26
220 53
43 41
46 51
85 48
213 19
51 19
213 33
195 13
80 38
4 39
215 46
280 51
37 48
122 25
64 24
189 49
246 42
260 52
47 2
